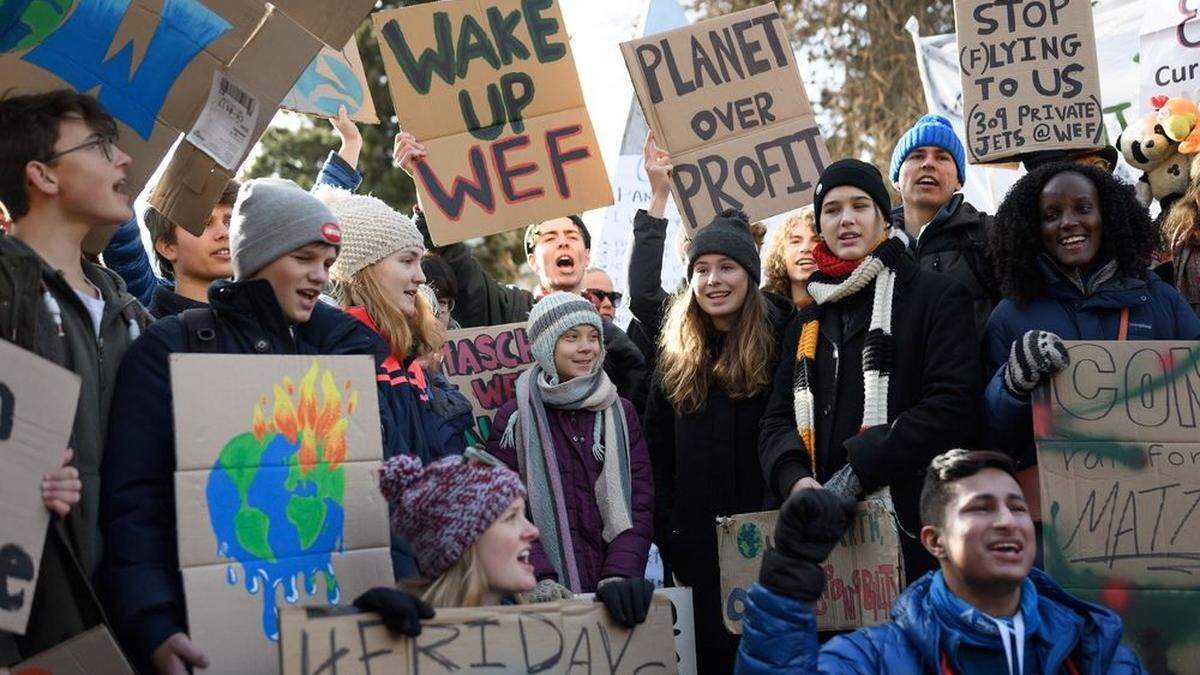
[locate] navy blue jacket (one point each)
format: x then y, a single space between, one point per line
779 635
1156 312
139 578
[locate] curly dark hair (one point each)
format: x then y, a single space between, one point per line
1015 241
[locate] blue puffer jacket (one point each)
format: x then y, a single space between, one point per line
779 636
1090 312
126 255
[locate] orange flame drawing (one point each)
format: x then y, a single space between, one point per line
319 427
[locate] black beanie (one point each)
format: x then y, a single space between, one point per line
855 173
728 234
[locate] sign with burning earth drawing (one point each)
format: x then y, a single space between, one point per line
277 494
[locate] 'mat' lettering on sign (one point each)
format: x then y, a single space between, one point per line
1030 78
725 98
490 89
1118 443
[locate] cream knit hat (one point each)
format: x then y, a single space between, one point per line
371 230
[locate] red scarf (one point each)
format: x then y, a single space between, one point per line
830 264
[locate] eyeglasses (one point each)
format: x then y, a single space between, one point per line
599 296
106 143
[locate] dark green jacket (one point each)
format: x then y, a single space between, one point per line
63 603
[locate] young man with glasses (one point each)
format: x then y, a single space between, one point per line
62 176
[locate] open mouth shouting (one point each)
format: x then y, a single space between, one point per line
309 297
927 181
524 559
565 263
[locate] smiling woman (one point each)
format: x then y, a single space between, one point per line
1072 248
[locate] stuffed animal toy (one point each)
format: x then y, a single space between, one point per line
1180 121
1147 149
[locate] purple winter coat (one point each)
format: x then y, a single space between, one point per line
624 556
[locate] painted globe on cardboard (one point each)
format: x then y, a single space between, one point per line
25 23
276 494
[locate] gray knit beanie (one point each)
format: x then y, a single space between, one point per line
273 217
728 234
371 230
554 315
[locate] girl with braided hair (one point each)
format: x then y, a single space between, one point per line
880 373
1072 250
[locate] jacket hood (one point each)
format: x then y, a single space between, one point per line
1069 626
780 310
1104 288
954 214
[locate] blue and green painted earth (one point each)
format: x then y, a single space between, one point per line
276 495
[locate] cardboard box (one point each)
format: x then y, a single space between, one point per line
725 98
37 412
484 364
1118 436
558 637
91 653
152 64
334 78
864 573
277 494
1030 79
490 88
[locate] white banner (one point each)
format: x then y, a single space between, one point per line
1170 47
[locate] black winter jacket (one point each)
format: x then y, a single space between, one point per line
933 396
140 578
955 243
483 301
706 465
63 604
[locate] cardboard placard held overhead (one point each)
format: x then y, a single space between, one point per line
1118 439
490 88
277 494
1030 79
37 412
864 572
550 638
93 652
1169 54
484 364
334 78
152 65
725 98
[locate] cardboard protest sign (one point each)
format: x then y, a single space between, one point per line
864 573
334 78
725 98
1169 58
277 494
213 69
37 412
1030 80
91 653
490 88
1118 439
484 363
683 625
558 637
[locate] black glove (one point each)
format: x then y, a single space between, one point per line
402 612
627 600
1033 358
810 524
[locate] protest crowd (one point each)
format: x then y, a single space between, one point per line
886 343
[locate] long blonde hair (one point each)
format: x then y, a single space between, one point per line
1181 225
421 336
464 584
686 365
775 273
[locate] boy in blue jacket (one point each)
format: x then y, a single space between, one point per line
986 611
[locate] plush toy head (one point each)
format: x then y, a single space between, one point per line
1143 144
1180 121
1171 177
